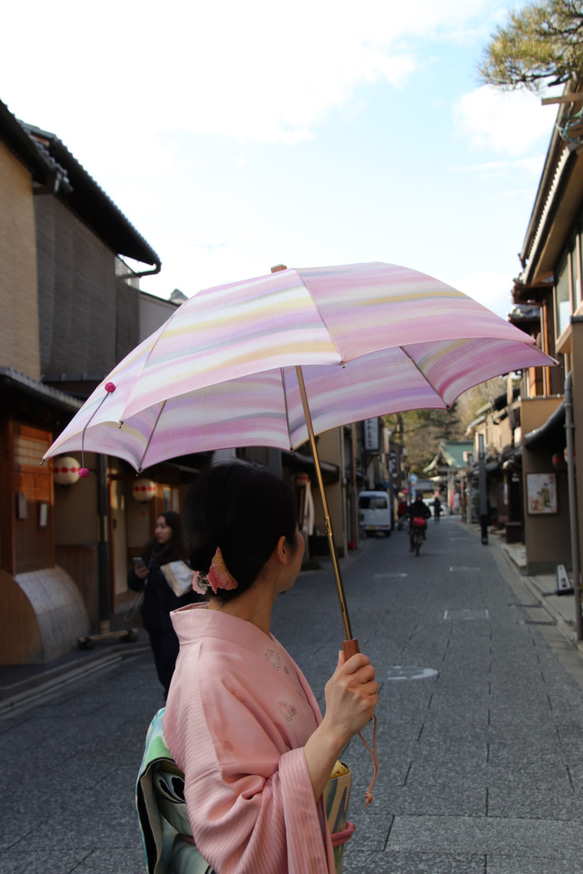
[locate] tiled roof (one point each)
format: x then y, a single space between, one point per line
453 452
50 163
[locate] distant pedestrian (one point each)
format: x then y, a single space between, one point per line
401 513
166 546
437 509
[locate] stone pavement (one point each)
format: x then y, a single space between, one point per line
544 589
479 737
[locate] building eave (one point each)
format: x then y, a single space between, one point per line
556 205
17 140
51 396
90 202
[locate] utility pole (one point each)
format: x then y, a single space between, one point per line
483 493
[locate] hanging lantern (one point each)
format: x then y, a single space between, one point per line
66 470
144 490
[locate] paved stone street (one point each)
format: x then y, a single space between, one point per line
480 734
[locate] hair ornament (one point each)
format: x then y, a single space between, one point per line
218 576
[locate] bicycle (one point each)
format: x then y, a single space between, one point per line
418 526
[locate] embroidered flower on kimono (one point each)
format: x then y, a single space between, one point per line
288 711
273 658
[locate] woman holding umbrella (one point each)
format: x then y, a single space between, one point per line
241 721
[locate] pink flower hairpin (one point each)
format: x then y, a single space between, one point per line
218 576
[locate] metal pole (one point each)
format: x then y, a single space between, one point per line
344 492
103 545
353 522
483 493
327 519
573 518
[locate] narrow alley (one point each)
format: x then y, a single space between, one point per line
479 735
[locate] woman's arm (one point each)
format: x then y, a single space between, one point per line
351 697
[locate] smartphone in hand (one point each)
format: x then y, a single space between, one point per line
138 563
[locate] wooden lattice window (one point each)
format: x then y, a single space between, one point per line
28 451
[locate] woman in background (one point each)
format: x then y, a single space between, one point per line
167 545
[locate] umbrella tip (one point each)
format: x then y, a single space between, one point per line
278 267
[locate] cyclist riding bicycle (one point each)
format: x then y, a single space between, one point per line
417 510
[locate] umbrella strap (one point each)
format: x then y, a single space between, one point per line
375 760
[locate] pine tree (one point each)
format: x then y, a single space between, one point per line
542 45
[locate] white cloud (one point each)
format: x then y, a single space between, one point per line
259 70
505 122
119 82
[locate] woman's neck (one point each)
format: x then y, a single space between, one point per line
253 606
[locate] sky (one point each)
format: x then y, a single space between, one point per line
238 135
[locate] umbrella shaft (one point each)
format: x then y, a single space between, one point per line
327 519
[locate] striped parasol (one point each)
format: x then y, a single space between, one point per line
271 361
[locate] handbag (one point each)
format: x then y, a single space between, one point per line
178 576
336 798
134 607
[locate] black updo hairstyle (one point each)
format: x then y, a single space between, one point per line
243 508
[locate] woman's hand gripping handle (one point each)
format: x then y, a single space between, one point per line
351 697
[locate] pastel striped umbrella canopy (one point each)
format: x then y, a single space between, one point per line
371 339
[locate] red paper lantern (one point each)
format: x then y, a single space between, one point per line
66 470
144 490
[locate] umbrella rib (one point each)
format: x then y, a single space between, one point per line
159 331
152 432
418 369
282 371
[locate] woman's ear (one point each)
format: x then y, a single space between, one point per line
282 550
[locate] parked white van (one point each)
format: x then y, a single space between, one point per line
374 513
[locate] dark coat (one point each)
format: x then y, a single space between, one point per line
418 508
159 599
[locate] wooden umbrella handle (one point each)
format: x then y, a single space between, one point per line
350 647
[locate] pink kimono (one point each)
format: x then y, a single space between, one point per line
237 717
